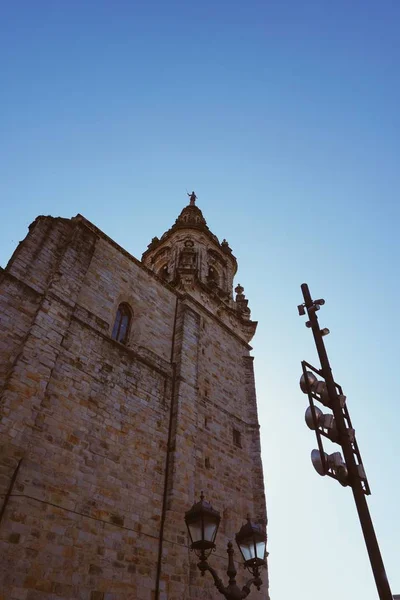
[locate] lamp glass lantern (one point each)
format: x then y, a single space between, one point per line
202 522
252 543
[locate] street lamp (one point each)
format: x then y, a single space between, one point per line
252 542
202 522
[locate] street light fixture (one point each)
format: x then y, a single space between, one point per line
309 384
349 471
202 522
252 542
324 421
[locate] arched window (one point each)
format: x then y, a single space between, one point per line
122 322
212 277
163 272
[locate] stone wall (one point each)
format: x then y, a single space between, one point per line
114 442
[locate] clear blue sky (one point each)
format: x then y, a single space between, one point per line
284 117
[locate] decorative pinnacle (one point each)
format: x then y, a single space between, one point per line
192 198
239 289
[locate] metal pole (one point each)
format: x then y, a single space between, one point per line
367 527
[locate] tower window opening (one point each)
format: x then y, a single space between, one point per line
237 438
163 272
122 323
212 276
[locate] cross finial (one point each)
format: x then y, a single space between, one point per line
192 197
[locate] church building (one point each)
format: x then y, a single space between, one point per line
126 390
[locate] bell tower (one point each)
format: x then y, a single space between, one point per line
191 259
215 443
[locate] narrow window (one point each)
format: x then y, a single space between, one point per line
121 326
163 272
212 277
237 438
207 463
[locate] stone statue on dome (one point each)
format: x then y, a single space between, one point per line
192 198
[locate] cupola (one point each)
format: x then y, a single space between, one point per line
191 258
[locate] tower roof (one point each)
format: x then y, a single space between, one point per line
191 217
191 214
190 258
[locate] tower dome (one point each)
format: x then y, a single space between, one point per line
191 258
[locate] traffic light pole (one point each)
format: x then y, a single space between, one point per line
371 541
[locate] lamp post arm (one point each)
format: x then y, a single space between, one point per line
246 589
204 566
231 592
256 581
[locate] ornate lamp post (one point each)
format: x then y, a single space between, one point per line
202 522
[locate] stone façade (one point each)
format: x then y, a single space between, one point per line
104 446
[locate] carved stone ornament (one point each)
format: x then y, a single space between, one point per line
205 298
186 282
239 291
187 258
